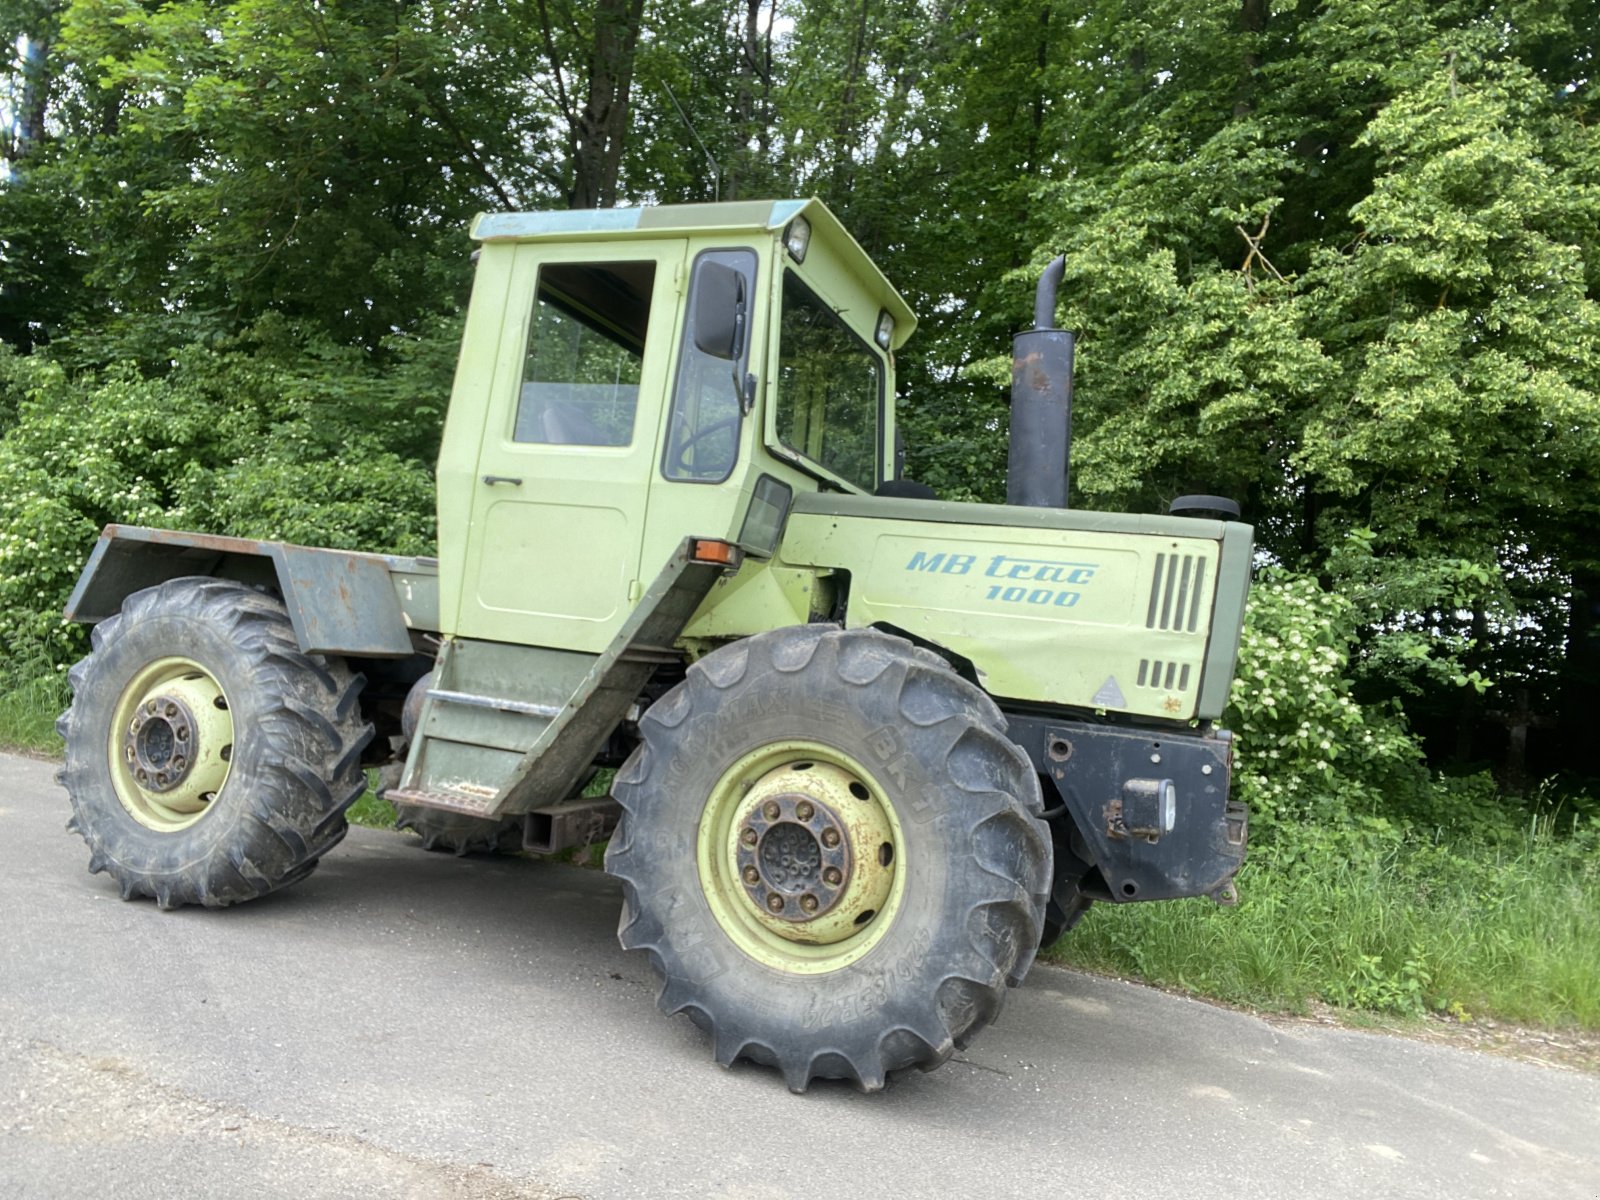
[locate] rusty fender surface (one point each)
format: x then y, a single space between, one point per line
339 601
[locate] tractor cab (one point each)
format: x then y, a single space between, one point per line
629 376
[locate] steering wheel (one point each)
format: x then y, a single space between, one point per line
678 461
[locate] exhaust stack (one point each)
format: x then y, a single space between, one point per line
1041 403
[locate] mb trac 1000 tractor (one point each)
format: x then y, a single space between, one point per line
871 749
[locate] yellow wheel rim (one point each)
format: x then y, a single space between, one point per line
171 744
800 857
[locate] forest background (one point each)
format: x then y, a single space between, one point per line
1339 260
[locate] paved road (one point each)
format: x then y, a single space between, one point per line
414 1025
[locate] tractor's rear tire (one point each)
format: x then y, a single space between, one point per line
832 854
208 760
1061 915
457 833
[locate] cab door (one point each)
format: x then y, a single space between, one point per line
569 444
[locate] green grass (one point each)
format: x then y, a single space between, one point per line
370 811
31 698
1509 930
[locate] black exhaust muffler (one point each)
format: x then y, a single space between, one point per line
1041 403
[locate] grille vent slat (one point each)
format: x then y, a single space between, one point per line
1166 596
1176 591
1164 676
1155 592
1194 604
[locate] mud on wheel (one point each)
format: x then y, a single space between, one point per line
208 760
832 854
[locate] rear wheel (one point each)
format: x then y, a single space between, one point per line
832 854
208 760
458 833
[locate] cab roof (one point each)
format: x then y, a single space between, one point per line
735 216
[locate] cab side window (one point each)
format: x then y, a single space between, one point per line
707 416
580 379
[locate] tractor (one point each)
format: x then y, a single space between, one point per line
870 749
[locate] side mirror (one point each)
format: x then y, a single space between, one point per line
719 311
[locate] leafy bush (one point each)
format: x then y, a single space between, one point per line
276 435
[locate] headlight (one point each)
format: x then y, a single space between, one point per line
797 238
884 334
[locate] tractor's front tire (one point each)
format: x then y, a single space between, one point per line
208 760
832 854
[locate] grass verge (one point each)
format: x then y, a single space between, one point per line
31 698
1508 929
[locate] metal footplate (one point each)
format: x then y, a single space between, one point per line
556 744
569 744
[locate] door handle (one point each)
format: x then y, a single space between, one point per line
491 480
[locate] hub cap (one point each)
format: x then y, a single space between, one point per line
799 857
171 744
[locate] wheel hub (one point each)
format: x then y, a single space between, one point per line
171 744
160 742
793 856
812 850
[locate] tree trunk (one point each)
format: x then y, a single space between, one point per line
35 96
844 126
1252 23
1580 675
600 129
744 99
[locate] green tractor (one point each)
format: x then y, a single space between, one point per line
872 749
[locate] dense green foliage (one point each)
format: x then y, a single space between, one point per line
1339 259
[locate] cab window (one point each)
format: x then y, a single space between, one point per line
707 415
830 387
580 378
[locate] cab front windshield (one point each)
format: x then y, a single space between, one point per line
830 389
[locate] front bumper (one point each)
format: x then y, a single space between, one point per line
1152 806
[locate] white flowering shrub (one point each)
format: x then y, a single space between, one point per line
1307 752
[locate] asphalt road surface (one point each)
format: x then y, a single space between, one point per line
415 1025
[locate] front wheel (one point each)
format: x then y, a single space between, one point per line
208 760
832 854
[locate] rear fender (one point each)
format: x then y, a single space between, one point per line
339 601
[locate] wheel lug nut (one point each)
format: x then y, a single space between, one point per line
770 810
775 903
748 837
809 903
183 733
150 706
751 876
832 876
830 838
804 811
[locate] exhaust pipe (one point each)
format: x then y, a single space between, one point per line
1041 403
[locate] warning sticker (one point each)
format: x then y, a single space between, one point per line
1110 695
